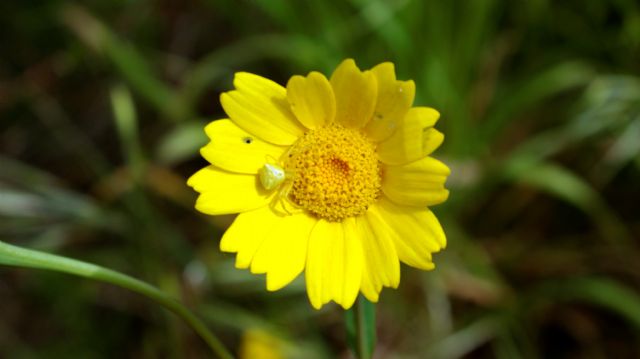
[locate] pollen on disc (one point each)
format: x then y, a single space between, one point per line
336 173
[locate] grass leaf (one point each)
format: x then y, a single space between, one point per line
21 257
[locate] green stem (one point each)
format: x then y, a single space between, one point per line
364 330
22 257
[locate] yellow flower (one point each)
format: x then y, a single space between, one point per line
259 344
330 177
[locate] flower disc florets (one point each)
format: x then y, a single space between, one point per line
335 171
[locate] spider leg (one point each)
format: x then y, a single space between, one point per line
283 197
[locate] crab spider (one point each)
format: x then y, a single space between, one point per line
274 177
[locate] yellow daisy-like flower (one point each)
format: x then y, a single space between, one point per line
330 177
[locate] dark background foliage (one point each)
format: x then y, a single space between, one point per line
102 105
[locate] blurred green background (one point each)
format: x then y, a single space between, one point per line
102 108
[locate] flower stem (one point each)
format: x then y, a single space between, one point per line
21 257
365 328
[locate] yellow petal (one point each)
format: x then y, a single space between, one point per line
223 192
334 265
247 233
259 106
394 100
419 183
416 232
431 140
354 262
415 139
311 99
382 267
355 92
283 253
236 150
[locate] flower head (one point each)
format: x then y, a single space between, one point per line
330 177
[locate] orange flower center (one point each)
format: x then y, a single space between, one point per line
335 172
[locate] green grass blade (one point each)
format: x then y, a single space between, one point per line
465 340
126 59
533 90
381 17
602 292
126 121
561 183
181 143
11 255
221 63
